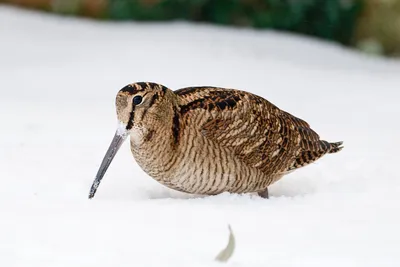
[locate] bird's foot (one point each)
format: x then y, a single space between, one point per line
264 194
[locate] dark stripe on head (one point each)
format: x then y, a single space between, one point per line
130 89
131 118
143 85
163 88
133 88
153 99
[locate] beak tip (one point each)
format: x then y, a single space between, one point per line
92 192
119 138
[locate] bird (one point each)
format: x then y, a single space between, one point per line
207 140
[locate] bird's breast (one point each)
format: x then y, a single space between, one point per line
195 165
151 150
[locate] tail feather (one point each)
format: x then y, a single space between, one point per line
309 156
335 147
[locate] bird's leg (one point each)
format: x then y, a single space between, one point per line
264 194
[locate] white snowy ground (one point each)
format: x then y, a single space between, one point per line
58 80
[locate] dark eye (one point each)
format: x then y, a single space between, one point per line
137 99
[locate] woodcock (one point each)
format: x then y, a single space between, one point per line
209 140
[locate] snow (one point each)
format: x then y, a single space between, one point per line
58 81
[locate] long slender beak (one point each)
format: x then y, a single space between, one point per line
118 140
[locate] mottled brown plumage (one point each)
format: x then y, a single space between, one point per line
209 140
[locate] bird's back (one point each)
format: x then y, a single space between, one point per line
252 130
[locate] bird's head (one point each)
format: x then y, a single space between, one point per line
138 105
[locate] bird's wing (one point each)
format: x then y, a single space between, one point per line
255 130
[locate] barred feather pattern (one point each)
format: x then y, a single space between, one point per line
208 140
